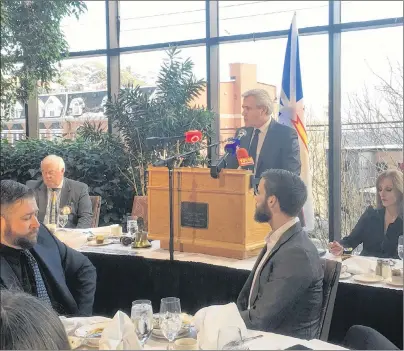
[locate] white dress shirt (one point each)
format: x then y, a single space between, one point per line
271 239
48 206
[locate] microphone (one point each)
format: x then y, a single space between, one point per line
190 137
230 149
243 158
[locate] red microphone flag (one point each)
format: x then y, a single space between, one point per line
243 158
193 136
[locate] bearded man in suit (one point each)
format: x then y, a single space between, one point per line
33 260
55 193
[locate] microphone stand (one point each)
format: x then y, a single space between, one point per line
169 163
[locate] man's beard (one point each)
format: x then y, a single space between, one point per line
262 213
25 242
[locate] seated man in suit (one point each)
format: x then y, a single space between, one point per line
283 293
271 145
35 261
55 192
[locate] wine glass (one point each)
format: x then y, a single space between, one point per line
227 335
170 318
142 318
357 251
62 220
400 247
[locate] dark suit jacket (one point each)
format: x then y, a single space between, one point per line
370 231
69 272
74 194
288 294
280 149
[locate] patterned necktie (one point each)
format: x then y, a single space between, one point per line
53 207
252 151
41 291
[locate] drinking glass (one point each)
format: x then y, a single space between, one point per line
62 220
170 318
132 226
226 335
357 251
142 318
400 247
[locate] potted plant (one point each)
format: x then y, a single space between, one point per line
168 111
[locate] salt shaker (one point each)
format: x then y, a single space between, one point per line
386 269
379 267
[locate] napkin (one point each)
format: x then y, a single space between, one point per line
119 334
209 320
72 238
360 265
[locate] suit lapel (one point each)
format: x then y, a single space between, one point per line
49 258
282 240
245 142
42 199
7 275
266 150
65 194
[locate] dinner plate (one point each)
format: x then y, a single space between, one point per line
89 329
394 282
368 278
345 275
94 243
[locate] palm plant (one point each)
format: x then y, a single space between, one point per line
138 114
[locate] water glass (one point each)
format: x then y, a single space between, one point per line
142 318
226 335
357 251
132 226
400 247
170 318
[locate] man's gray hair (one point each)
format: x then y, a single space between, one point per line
56 160
262 99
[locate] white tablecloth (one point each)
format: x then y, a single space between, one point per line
269 341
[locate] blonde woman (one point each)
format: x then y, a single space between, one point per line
378 228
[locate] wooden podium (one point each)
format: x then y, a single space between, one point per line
211 216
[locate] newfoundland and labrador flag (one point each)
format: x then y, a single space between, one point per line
291 113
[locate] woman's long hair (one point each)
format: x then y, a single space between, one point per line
396 178
28 324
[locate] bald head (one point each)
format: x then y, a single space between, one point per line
53 170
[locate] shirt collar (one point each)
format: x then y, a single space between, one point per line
60 185
264 128
273 237
8 251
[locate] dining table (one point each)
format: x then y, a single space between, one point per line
268 341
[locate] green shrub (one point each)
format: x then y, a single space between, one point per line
105 171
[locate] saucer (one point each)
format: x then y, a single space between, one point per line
345 275
368 278
94 243
394 283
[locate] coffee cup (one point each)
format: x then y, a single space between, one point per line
99 238
186 344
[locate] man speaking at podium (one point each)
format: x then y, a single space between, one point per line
271 144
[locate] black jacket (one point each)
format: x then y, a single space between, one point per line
280 149
370 231
70 274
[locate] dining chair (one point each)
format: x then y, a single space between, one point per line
332 270
96 205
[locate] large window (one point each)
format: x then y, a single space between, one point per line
372 115
241 17
87 33
149 22
353 11
78 96
259 64
143 68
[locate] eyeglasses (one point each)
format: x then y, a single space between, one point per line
255 187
